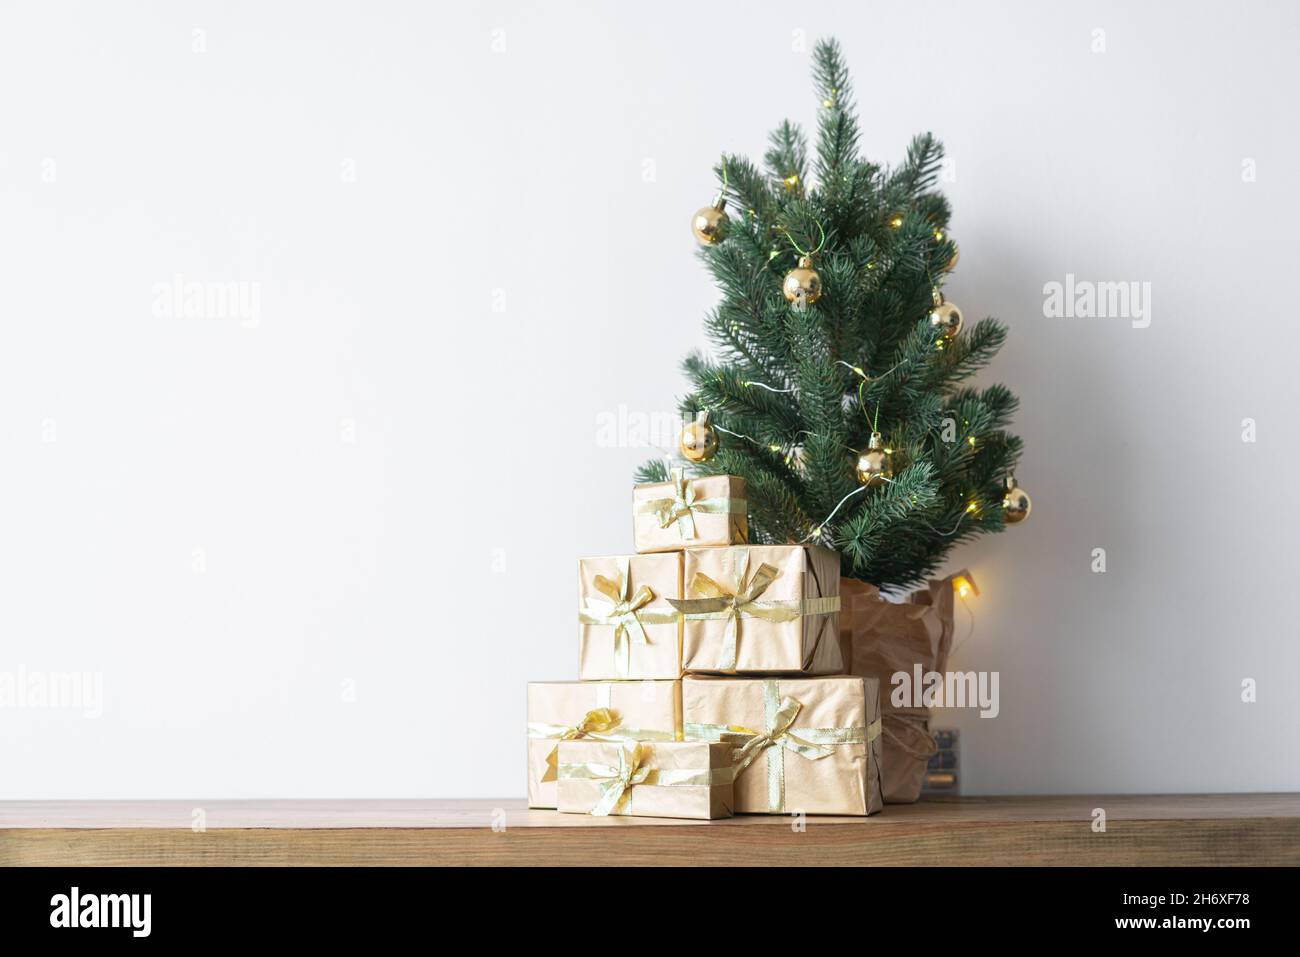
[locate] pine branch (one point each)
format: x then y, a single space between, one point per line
787 158
747 189
919 172
651 471
837 122
967 354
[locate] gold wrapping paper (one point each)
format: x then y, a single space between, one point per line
684 779
627 628
709 510
602 710
808 745
880 638
761 609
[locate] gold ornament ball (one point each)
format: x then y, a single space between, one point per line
803 283
1015 503
946 318
710 224
874 464
699 441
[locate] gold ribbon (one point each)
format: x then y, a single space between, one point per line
719 602
619 781
622 608
777 738
683 506
616 792
595 723
601 723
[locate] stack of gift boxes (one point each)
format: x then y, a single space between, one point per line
710 675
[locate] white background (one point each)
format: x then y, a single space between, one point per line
321 553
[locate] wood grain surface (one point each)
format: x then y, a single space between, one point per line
1243 829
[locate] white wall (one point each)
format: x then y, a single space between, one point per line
383 481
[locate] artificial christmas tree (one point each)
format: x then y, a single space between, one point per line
838 393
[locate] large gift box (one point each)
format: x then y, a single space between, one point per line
627 627
761 609
682 512
809 745
689 779
597 710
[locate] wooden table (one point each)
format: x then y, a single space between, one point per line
1145 830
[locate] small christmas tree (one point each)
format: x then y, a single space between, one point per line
839 384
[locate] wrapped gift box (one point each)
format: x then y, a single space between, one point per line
599 710
627 627
809 745
686 779
761 609
709 510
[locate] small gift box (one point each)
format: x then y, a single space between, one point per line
627 628
809 745
689 779
761 609
709 510
598 710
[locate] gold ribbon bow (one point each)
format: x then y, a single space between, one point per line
683 506
622 608
680 508
597 723
778 735
616 791
779 715
618 781
721 602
